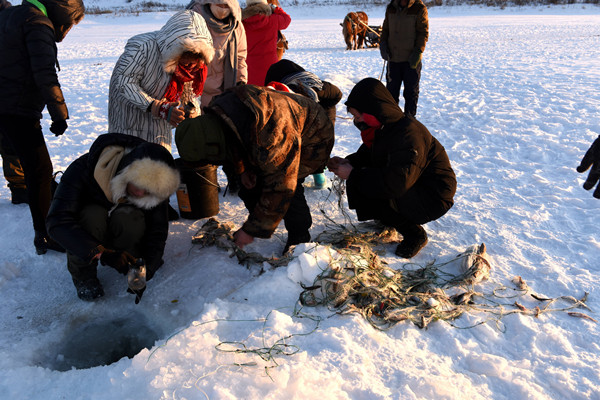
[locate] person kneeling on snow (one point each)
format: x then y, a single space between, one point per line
401 174
273 140
111 205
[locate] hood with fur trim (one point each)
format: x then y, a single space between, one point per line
257 9
233 5
184 31
148 166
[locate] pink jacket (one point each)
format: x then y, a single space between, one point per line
261 37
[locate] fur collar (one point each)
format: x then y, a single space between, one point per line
257 9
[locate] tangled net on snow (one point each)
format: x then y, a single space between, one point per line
215 233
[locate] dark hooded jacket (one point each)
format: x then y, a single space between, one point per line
404 157
282 137
100 177
28 56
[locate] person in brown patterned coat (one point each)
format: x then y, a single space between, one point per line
274 140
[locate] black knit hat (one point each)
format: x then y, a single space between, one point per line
280 70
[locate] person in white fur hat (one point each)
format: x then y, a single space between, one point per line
111 206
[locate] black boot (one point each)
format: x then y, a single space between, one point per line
294 239
89 289
414 239
43 243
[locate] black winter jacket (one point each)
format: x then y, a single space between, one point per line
78 188
28 55
403 156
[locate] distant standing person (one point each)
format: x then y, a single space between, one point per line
29 82
262 22
228 67
403 37
159 77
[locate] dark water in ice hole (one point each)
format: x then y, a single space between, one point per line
100 342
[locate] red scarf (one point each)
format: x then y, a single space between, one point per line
183 75
368 135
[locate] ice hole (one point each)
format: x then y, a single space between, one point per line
104 342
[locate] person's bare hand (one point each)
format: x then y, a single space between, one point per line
241 238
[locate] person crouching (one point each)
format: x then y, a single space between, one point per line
401 174
111 205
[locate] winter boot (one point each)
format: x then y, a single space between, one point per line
294 239
43 243
320 180
414 240
89 289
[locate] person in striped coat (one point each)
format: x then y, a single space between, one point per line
157 80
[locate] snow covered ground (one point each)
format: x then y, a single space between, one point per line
512 95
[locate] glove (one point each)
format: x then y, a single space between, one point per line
414 59
384 50
58 127
170 112
117 259
138 294
592 158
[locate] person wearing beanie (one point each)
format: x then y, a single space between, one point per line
29 83
401 174
273 140
111 206
307 84
156 82
262 23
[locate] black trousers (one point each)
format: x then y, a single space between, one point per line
399 73
13 172
297 219
27 140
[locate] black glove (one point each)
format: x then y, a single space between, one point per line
592 158
58 127
384 51
117 259
138 294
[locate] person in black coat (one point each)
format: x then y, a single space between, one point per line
309 85
28 81
111 205
401 174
